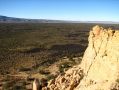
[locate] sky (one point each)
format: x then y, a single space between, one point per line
76 10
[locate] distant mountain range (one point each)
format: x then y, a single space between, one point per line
5 19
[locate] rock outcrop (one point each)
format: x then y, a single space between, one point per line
100 63
99 69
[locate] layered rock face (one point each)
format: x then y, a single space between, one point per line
99 69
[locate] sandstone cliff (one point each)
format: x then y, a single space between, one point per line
99 69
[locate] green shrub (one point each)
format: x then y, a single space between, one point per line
44 72
24 69
7 85
49 77
63 66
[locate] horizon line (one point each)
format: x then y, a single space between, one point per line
61 19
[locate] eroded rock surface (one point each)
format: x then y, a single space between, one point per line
99 69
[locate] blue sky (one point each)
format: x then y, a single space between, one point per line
78 10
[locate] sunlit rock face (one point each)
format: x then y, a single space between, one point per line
99 69
101 60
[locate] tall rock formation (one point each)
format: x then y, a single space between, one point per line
99 69
101 61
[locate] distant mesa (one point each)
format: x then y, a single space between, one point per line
6 19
